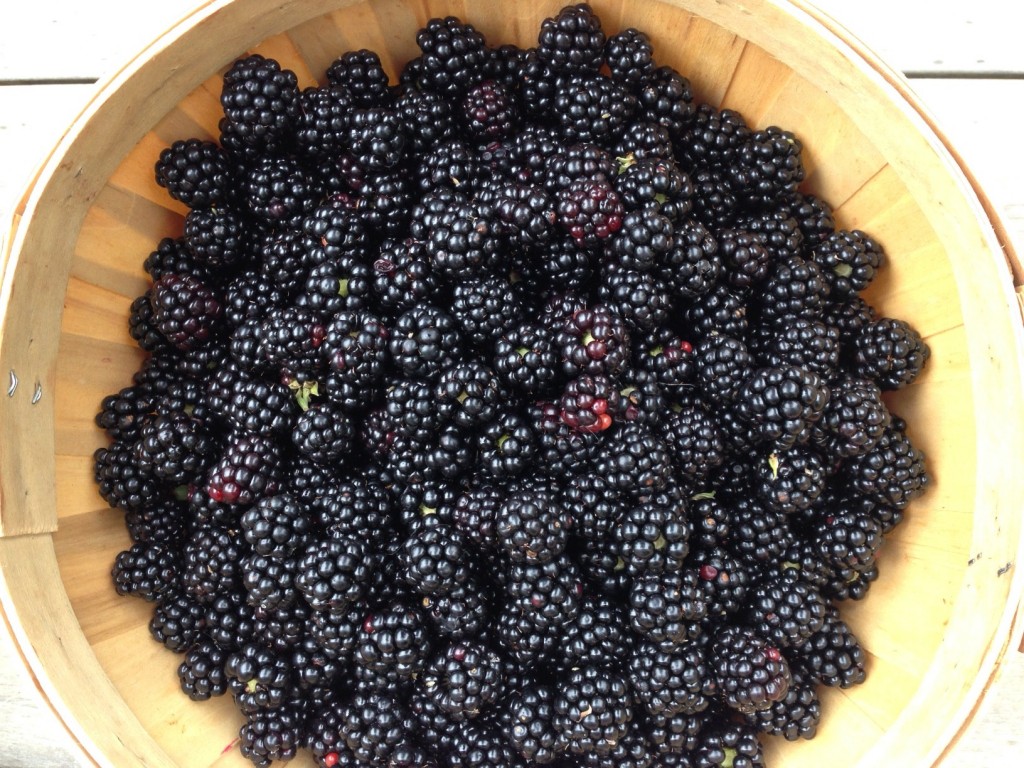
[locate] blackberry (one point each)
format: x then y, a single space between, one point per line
759 534
832 656
263 408
796 288
750 673
258 679
178 621
434 559
172 256
269 581
451 166
121 481
463 679
668 608
643 239
489 111
695 440
278 189
201 673
458 614
592 710
454 56
892 473
355 506
212 563
447 454
581 161
532 527
693 265
325 738
724 364
522 641
592 108
809 344
791 481
669 683
724 579
249 295
276 525
269 736
849 260
669 357
476 513
411 408
547 594
283 630
656 183
784 610
334 634
854 420
526 358
195 172
142 325
727 745
403 276
324 433
377 137
322 127
629 56
528 211
591 211
598 636
643 140
593 341
794 717
478 744
713 139
355 343
393 642
847 538
718 310
335 285
338 233
768 165
423 340
230 621
588 404
261 102
385 202
427 117
673 738
464 242
573 40
715 204
333 574
175 446
654 536
889 352
745 258
527 722
217 237
149 571
185 310
485 308
784 403
362 75
665 96
506 447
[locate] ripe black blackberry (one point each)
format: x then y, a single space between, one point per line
790 481
695 440
195 172
831 656
723 365
411 409
185 310
260 102
629 56
668 356
335 285
794 717
715 204
847 537
463 679
528 211
526 358
546 595
745 258
121 481
506 447
768 165
657 183
849 260
592 108
668 608
485 307
362 75
269 581
423 340
385 202
217 237
489 112
271 735
338 232
427 116
263 408
580 161
642 241
290 339
464 241
258 678
201 673
592 710
393 643
598 636
173 256
781 232
142 326
422 461
532 527
854 420
593 341
146 570
520 639
665 96
527 722
434 559
758 534
178 621
591 211
893 472
692 266
718 310
573 40
249 295
451 166
785 610
283 630
810 344
478 743
332 574
324 433
212 563
654 535
783 403
174 446
796 288
377 137
588 404
642 299
322 126
461 613
727 745
669 683
357 504
751 674
230 620
724 578
713 139
276 525
454 56
278 189
890 352
402 276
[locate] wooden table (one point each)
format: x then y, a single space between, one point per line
966 63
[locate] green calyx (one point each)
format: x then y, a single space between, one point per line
303 391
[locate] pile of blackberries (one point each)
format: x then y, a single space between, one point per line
518 412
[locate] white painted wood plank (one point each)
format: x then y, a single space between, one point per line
61 39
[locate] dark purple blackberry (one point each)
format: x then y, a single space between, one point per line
832 656
258 679
506 447
727 745
668 356
849 260
423 340
642 140
656 183
751 674
248 470
334 634
532 527
723 365
434 559
464 242
592 710
361 74
790 481
889 352
201 673
713 139
263 408
724 580
185 310
745 257
121 481
693 265
386 201
172 256
785 610
146 570
271 735
784 403
573 40
178 621
427 117
417 460
854 420
278 189
642 241
322 126
695 440
847 538
175 446
719 310
892 473
710 520
324 433
403 276
591 211
260 102
527 722
230 620
217 237
669 683
758 534
715 204
547 595
665 96
290 339
654 536
324 735
335 285
276 525
489 112
794 717
526 358
459 614
142 325
582 161
463 679
249 296
478 743
593 341
355 344
454 56
269 581
796 288
357 506
195 172
589 404
813 216
629 56
668 608
377 137
522 641
485 308
333 574
800 342
780 232
850 584
599 635
338 233
528 211
212 563
411 408
451 166
393 643
768 166
592 108
643 299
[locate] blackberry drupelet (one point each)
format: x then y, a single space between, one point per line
889 352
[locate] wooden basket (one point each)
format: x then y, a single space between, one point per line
934 625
